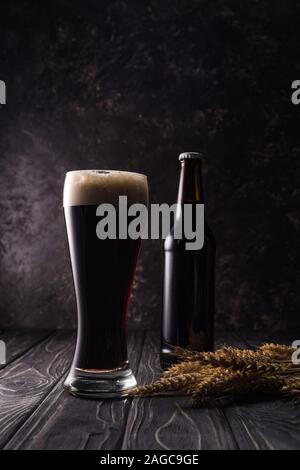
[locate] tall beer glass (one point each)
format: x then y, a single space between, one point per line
103 273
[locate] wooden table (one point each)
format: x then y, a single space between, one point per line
36 413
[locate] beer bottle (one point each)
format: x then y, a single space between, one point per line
188 286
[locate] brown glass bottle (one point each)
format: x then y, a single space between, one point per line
188 286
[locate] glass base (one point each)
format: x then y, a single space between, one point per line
100 384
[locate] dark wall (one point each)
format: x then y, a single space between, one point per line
129 85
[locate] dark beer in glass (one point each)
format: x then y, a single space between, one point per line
103 273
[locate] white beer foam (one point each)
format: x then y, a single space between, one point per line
87 187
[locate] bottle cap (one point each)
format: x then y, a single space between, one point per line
190 156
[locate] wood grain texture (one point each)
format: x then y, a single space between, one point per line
36 413
170 422
19 341
266 425
66 422
26 382
272 424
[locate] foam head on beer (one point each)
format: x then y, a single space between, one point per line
93 187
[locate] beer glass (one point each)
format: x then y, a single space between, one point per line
103 273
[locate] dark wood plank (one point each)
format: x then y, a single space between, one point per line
66 422
19 342
63 422
25 382
266 424
170 422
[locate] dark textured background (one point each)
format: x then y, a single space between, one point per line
128 85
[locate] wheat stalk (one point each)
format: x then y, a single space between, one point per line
210 376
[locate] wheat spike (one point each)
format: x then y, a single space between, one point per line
211 376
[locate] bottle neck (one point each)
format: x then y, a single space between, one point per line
190 184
